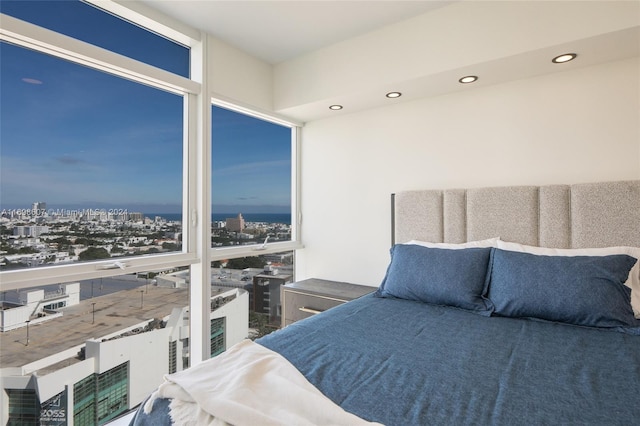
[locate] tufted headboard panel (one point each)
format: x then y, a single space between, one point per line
561 216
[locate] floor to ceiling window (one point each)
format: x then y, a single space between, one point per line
253 198
107 185
97 117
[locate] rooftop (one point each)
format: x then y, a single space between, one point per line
113 312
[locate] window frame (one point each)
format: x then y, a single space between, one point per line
221 253
197 252
45 41
150 19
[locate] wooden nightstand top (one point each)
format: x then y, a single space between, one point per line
333 289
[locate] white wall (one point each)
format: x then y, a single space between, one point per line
147 354
575 126
239 76
236 312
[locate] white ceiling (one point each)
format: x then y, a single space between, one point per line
278 31
275 31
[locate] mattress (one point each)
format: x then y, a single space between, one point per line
403 362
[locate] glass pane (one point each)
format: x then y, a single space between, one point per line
251 179
23 407
134 326
93 25
91 164
261 277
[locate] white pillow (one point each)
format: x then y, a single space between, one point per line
490 242
633 281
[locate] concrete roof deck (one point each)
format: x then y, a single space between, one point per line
113 312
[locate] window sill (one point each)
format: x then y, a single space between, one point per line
221 253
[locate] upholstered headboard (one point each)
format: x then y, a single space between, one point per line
562 216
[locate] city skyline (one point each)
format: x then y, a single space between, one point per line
148 209
78 138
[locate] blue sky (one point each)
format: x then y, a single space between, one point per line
251 164
78 138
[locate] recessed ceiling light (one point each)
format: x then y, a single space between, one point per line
335 107
468 79
564 58
393 95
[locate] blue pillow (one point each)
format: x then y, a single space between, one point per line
450 277
581 290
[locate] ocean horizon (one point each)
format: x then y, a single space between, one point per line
220 217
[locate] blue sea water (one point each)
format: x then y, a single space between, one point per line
248 217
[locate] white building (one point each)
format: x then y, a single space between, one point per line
110 374
38 306
30 231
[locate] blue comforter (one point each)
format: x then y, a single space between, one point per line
400 362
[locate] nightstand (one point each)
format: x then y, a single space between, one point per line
306 298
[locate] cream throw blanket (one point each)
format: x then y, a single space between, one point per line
248 385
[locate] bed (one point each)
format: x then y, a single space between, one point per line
500 306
